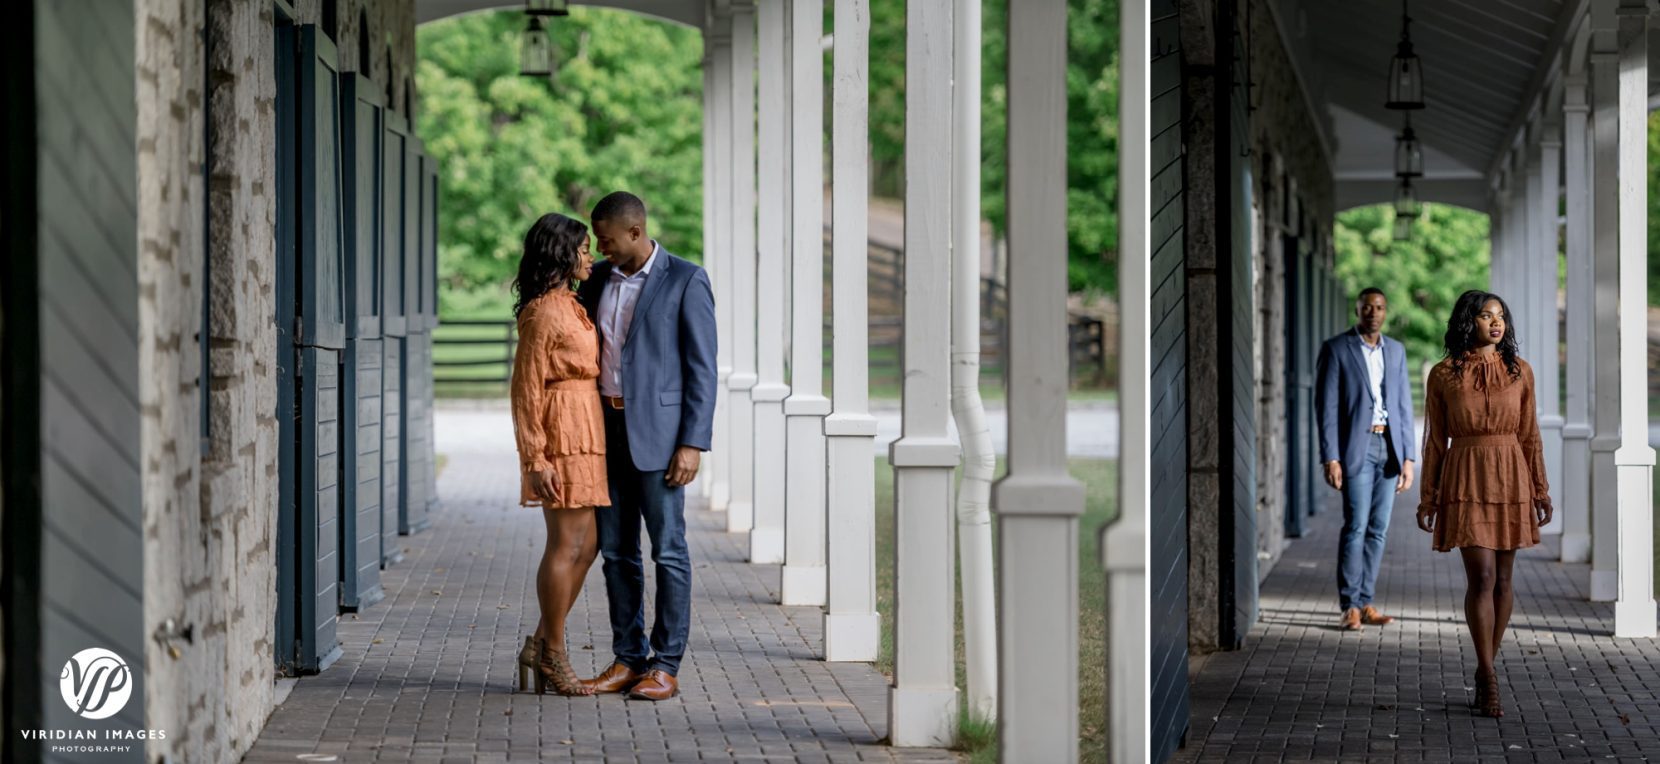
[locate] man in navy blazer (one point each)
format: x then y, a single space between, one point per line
655 314
1364 406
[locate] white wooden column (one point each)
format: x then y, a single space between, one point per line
1124 542
1543 286
923 706
1634 608
804 510
852 627
1038 503
979 594
1574 500
740 512
1496 229
717 218
1605 210
766 538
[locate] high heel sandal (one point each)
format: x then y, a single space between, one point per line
527 660
1489 694
554 670
1480 698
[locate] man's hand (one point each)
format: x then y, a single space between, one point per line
1334 474
683 467
545 485
1404 482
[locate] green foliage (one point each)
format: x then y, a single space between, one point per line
1423 277
1092 125
623 111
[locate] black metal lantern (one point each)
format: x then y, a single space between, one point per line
1402 229
535 50
547 7
1409 153
1406 71
1406 200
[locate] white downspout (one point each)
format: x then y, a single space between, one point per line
979 461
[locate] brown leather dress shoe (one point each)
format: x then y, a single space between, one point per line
617 677
657 685
1351 619
1371 616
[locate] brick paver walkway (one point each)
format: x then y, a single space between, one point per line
428 674
1302 690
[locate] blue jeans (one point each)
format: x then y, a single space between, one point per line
1368 498
637 496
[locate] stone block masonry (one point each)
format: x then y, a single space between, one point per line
207 93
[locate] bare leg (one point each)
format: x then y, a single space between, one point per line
582 541
1503 596
1479 572
569 531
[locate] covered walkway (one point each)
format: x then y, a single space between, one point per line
426 675
1301 689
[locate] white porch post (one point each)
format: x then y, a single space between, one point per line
851 626
1575 494
1541 268
717 249
804 577
1605 230
1497 227
740 512
1038 503
766 538
1123 543
1634 609
979 458
923 705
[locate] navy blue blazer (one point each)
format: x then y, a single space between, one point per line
1343 403
668 359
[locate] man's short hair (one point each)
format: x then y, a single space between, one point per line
1371 291
621 207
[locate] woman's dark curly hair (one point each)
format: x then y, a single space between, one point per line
1461 331
549 259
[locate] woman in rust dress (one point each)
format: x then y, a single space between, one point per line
1484 487
561 436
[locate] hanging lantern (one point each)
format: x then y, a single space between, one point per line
1406 71
1403 229
547 7
1406 200
1409 153
535 51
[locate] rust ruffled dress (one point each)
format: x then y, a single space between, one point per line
556 415
1483 465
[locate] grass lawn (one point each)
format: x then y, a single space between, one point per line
1100 478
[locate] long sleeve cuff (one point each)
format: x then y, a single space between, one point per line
537 465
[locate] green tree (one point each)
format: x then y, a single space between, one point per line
1092 125
622 111
1423 277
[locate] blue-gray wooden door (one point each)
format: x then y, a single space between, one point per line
394 325
69 273
320 343
1299 389
360 431
417 400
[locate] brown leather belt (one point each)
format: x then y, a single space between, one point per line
610 402
1379 429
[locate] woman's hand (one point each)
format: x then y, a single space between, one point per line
545 485
1427 517
1542 510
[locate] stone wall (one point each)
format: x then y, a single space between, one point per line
210 503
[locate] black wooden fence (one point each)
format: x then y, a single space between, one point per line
474 357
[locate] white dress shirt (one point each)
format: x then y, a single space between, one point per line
1374 378
616 313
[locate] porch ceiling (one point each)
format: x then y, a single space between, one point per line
688 12
1482 65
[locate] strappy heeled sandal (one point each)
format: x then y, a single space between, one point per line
1490 706
527 660
554 671
1480 698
